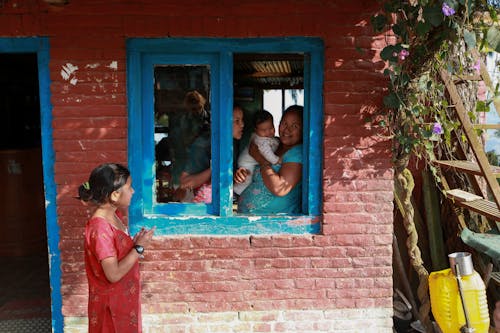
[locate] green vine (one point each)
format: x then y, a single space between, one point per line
423 37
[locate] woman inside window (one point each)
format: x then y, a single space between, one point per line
200 181
277 188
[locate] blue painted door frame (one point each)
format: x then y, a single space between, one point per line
40 46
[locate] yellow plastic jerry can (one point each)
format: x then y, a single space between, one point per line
446 302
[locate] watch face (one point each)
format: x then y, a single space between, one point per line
139 249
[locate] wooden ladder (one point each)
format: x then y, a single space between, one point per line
480 167
476 202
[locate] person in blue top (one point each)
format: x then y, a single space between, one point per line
277 188
197 173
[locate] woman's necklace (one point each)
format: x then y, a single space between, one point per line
113 219
119 224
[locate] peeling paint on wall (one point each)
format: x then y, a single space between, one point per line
93 66
81 144
68 73
113 65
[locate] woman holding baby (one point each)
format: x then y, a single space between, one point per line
276 188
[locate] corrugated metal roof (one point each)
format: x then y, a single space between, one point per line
269 70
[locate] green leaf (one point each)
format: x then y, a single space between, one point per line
404 79
391 101
493 39
378 22
470 6
470 39
433 15
392 7
493 13
388 53
482 106
397 29
422 28
423 83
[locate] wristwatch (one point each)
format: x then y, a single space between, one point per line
139 249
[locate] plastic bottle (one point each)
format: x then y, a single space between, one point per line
446 301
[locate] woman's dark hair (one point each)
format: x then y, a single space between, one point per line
298 109
194 101
262 116
103 180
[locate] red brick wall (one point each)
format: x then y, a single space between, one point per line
347 266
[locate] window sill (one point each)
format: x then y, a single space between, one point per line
234 225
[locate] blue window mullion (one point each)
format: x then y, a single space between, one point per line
147 139
215 132
134 131
313 75
226 133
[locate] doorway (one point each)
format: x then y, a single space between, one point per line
24 262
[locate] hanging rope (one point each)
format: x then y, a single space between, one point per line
405 179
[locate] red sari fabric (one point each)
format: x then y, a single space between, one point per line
113 307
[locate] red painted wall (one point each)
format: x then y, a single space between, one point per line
347 266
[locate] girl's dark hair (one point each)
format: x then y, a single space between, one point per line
103 180
262 116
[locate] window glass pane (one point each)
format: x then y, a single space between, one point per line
270 82
294 97
182 128
273 102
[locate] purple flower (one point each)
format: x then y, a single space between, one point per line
447 10
403 54
437 129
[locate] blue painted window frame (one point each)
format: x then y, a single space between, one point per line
217 217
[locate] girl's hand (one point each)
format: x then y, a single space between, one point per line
144 236
240 175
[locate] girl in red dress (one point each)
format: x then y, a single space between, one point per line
111 255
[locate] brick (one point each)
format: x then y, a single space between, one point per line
11 25
301 252
90 111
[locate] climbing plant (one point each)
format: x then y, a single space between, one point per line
423 37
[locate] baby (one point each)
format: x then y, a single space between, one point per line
267 143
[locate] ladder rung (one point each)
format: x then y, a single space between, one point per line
487 126
460 195
480 206
468 167
462 78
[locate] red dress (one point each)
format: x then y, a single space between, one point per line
113 307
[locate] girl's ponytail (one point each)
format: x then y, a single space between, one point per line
103 180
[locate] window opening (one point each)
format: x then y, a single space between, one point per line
182 127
